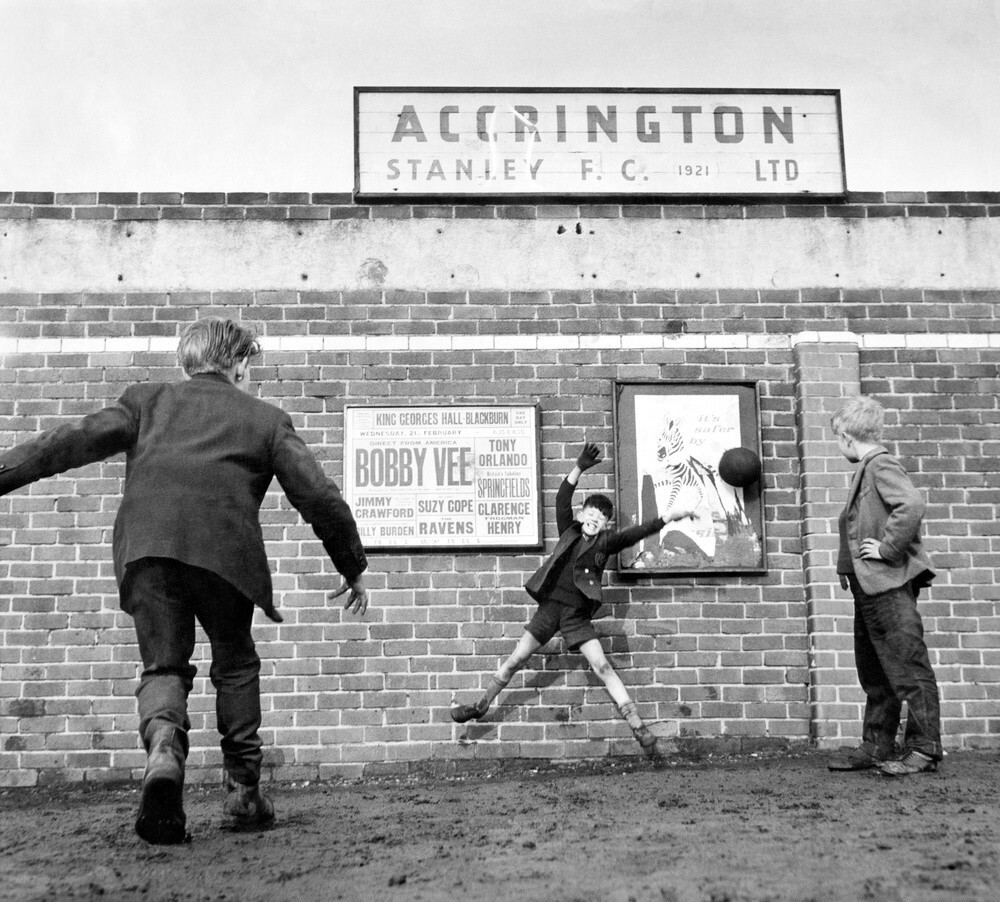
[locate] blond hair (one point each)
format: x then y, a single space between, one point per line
215 345
861 418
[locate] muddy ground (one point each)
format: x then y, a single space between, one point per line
747 828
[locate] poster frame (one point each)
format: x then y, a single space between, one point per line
627 480
468 546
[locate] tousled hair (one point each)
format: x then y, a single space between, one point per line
602 503
215 345
861 418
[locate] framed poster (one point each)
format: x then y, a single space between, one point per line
444 477
699 441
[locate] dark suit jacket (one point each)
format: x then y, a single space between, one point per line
200 455
588 569
883 504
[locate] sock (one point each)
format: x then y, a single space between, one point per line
495 687
631 714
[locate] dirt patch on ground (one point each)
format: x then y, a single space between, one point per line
759 827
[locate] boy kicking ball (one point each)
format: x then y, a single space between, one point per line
567 588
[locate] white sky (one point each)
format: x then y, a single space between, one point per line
256 95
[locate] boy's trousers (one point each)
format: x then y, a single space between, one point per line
893 667
164 597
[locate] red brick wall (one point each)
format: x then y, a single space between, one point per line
723 660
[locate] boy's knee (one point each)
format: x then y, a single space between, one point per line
603 669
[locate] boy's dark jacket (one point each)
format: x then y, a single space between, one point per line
883 504
590 563
200 455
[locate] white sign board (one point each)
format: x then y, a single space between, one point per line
459 477
477 142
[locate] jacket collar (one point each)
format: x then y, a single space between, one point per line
873 453
860 471
214 377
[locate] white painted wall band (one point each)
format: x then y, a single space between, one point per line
951 340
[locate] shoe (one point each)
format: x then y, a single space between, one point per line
247 804
856 759
462 713
646 740
913 762
161 818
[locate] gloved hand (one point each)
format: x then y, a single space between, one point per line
590 456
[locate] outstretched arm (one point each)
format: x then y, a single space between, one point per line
317 498
589 457
93 438
684 506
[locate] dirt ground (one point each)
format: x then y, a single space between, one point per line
756 827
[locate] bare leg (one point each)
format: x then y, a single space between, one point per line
592 651
526 646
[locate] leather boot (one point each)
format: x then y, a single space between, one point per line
647 741
913 762
161 818
248 805
643 735
463 713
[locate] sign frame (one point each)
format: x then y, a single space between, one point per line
474 543
366 196
744 523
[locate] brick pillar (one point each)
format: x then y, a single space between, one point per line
827 371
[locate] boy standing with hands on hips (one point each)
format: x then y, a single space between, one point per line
883 563
567 588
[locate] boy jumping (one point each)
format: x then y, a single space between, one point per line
567 588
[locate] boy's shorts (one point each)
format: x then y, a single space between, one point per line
553 617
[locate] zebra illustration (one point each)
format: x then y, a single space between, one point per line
672 471
676 469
